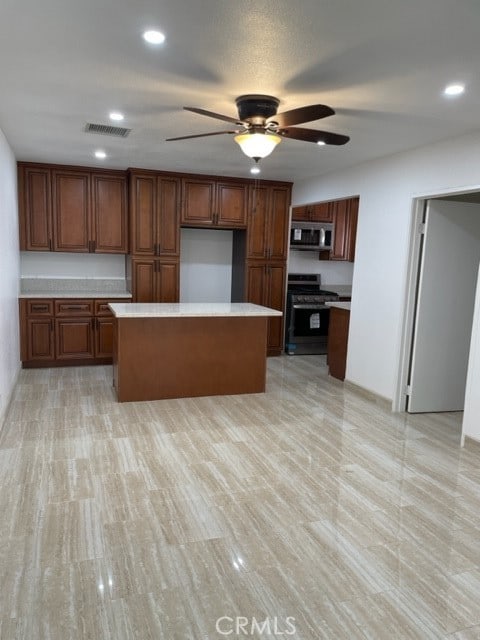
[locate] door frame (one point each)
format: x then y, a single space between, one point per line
419 203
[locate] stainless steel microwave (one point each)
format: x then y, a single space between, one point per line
311 236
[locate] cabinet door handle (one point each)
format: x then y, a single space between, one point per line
50 244
39 307
51 326
74 307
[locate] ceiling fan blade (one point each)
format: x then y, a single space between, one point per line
302 114
201 135
312 135
211 114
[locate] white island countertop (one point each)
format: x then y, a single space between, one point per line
190 309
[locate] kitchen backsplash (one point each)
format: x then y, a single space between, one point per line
332 272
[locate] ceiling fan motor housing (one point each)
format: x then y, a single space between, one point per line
256 106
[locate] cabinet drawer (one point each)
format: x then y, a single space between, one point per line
101 306
64 308
40 307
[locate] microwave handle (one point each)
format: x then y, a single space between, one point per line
322 237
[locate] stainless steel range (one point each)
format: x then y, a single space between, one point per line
307 317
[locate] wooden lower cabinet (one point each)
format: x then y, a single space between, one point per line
266 286
104 338
65 332
74 339
155 280
40 339
338 342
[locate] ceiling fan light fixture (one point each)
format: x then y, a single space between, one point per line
257 145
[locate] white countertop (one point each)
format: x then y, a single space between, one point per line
339 305
101 295
343 290
190 310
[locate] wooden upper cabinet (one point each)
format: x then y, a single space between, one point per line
35 211
278 222
301 213
154 209
198 202
257 231
268 222
168 216
322 212
345 229
316 212
142 214
231 205
207 203
109 213
72 210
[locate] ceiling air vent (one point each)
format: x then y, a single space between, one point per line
107 130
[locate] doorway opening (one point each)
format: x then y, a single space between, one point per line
441 286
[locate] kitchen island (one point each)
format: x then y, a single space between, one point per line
178 350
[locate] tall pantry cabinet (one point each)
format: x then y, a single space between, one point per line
154 264
266 255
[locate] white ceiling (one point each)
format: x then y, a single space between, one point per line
381 65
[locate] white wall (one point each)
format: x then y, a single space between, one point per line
386 188
39 264
205 265
9 279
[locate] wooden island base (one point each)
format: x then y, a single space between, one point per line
156 358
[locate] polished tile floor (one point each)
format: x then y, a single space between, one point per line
309 511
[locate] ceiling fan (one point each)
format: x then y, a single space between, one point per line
260 128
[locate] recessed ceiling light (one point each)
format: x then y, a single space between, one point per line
321 143
116 115
100 154
154 37
454 89
255 170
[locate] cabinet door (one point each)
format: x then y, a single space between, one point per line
143 280
198 200
322 212
143 212
231 205
71 211
275 299
256 275
301 213
167 281
345 220
35 212
40 343
109 213
74 338
168 223
104 337
278 223
257 222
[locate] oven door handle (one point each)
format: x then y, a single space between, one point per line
314 307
